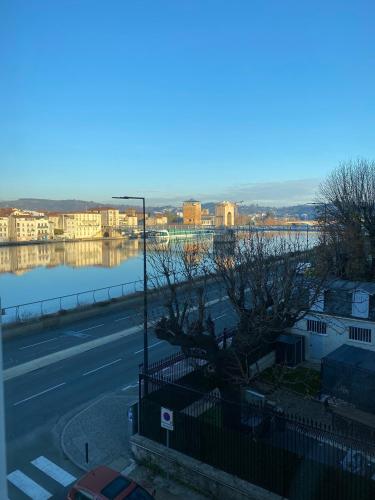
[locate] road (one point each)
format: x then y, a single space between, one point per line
50 375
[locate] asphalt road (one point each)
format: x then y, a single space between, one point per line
80 363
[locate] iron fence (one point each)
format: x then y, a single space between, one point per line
294 457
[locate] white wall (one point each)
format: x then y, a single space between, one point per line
337 333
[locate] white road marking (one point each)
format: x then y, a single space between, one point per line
122 319
39 393
101 367
37 343
87 329
57 473
150 346
131 386
28 486
49 359
218 317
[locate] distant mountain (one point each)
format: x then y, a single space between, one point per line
46 205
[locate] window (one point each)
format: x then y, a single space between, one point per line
360 334
115 487
316 326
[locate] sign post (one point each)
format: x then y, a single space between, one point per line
166 422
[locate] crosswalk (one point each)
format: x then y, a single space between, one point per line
38 488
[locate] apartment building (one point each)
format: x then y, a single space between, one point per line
157 220
128 219
28 228
344 313
4 228
109 216
81 225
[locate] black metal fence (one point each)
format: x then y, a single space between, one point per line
290 456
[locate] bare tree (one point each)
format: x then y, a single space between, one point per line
266 280
347 216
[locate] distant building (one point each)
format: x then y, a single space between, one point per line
128 220
4 228
81 225
110 217
208 220
28 228
109 220
192 212
205 211
157 220
225 213
131 212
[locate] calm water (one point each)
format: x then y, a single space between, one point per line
37 272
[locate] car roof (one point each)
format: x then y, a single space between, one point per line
96 479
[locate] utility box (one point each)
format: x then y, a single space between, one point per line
290 349
348 373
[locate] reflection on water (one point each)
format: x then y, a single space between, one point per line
41 271
111 253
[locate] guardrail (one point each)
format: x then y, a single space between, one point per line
40 308
37 309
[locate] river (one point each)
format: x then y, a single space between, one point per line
37 272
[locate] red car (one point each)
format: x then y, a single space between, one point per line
104 483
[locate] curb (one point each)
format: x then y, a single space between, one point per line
62 445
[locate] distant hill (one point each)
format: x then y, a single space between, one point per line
46 205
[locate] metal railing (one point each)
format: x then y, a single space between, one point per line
40 308
295 457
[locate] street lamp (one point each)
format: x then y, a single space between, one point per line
145 319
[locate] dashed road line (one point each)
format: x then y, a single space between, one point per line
125 317
101 367
39 394
89 328
150 346
37 343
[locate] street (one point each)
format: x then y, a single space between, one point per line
51 375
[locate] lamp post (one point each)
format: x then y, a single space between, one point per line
3 473
145 319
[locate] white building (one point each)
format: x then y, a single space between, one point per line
4 228
28 228
81 225
343 314
128 220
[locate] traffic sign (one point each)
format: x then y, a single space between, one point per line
166 419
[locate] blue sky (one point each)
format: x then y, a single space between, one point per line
252 99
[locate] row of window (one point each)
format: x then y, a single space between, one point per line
355 332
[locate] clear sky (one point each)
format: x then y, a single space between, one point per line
254 99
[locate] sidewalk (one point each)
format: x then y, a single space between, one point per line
105 427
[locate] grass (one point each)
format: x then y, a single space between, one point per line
303 380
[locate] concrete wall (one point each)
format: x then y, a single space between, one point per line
337 334
202 477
